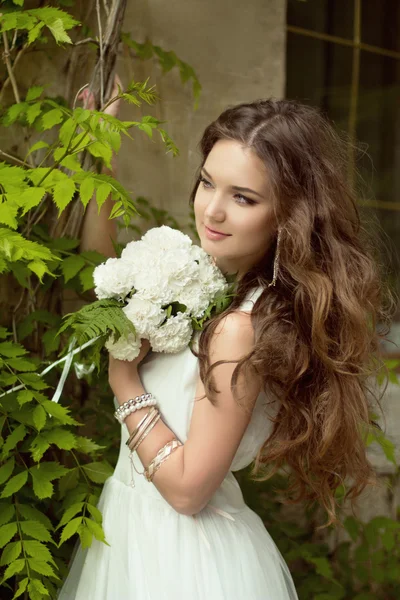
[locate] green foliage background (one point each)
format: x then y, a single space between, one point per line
53 464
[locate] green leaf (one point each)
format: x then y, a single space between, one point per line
30 513
34 380
63 193
34 33
63 439
87 446
13 439
8 214
11 349
66 131
71 512
42 567
52 118
38 447
6 470
33 112
86 536
39 417
42 475
98 471
10 553
70 529
38 146
21 364
94 511
59 33
34 92
21 588
15 567
96 529
86 190
24 397
15 111
14 484
98 318
37 550
36 530
30 198
37 590
7 512
71 162
71 266
352 527
101 150
102 193
86 278
387 445
14 247
7 532
69 481
59 412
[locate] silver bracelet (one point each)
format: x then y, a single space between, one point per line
132 405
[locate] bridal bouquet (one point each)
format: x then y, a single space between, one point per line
162 288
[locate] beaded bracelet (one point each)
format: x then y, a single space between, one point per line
132 405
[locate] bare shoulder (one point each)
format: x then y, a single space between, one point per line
233 335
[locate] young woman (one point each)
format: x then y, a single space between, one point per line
280 377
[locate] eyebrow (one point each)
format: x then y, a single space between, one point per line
235 187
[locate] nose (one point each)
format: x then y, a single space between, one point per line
215 210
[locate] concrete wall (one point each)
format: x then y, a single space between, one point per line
238 52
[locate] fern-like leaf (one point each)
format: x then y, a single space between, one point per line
99 319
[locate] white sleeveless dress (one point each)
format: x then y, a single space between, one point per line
222 553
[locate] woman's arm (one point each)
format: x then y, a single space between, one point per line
194 471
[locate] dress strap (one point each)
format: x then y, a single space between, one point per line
251 299
200 527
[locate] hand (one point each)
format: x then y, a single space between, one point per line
124 372
87 98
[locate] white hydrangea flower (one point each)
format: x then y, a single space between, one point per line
126 348
144 314
166 238
133 253
113 279
211 280
173 336
194 298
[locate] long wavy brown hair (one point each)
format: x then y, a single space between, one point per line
317 331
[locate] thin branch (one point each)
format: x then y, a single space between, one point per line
6 58
106 8
86 41
77 94
101 48
14 40
14 158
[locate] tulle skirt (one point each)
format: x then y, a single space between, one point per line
156 553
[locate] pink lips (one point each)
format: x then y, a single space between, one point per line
215 235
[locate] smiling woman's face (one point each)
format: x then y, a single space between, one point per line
245 216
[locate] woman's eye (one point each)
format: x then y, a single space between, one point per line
245 200
205 182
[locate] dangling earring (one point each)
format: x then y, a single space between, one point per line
276 259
